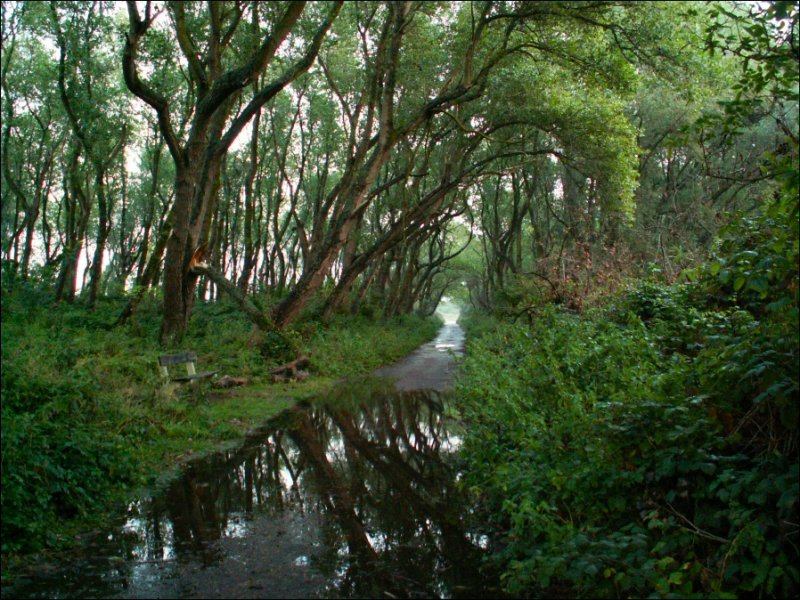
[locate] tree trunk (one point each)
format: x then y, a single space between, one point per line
255 314
179 250
249 208
77 220
148 276
102 238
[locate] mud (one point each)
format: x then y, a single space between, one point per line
431 366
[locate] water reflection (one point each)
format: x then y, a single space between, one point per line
353 497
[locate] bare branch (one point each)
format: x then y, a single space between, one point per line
271 90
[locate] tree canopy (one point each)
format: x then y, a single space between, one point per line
325 156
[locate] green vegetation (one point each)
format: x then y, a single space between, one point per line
649 446
610 187
87 419
638 435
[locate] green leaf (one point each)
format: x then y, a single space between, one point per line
676 578
758 284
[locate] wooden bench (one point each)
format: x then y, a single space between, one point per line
187 358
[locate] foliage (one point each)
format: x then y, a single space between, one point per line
347 347
59 460
86 417
765 38
534 96
649 447
755 263
56 467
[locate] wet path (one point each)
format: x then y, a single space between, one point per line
431 366
351 496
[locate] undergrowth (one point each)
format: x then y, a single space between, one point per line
86 417
648 447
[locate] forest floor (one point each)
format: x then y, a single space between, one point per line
87 419
265 548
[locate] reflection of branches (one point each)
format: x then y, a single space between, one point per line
294 475
333 492
429 512
400 419
401 476
386 425
275 459
274 473
249 469
428 444
374 471
191 507
155 540
198 504
260 477
402 431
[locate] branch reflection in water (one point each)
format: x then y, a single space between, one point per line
353 496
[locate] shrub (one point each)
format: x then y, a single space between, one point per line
54 467
648 448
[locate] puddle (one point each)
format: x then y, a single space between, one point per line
431 366
353 497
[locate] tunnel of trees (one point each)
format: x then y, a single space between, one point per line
615 184
367 155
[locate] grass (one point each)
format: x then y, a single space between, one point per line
88 420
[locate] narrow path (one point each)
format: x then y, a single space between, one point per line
309 506
432 365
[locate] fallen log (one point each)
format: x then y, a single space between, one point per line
227 381
291 370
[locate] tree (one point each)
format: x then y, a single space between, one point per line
209 38
32 138
330 170
766 38
93 106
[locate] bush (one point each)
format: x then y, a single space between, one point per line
649 448
347 345
54 467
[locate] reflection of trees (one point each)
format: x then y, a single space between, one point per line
375 468
334 494
399 492
264 475
192 510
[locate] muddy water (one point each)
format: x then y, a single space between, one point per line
351 496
